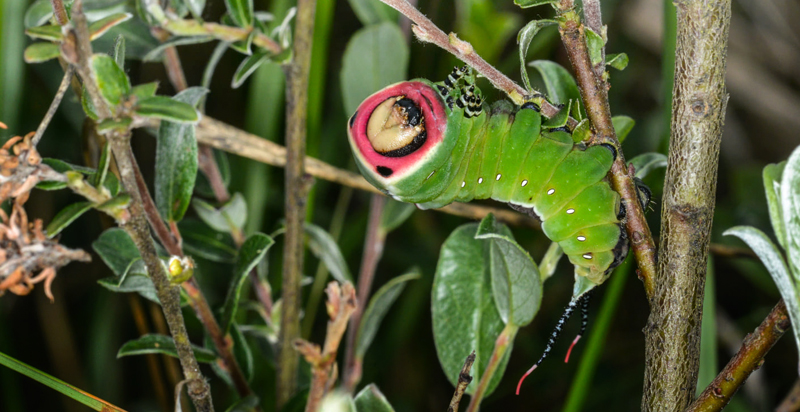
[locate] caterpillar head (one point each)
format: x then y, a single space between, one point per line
397 136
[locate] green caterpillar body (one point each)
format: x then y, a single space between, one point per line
450 149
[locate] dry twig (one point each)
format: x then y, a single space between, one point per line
464 379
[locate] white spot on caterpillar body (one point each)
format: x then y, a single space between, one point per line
463 184
587 256
498 177
570 211
480 180
581 238
551 191
429 176
524 182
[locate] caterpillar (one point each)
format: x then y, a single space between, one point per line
436 143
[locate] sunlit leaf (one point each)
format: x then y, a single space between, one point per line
595 44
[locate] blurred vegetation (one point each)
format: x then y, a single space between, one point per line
76 338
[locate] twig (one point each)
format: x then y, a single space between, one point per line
427 31
731 251
500 347
699 100
342 302
77 50
208 165
748 359
594 92
464 380
791 403
59 12
373 250
297 187
593 17
62 89
232 140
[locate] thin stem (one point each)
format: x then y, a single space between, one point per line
208 165
593 17
297 187
373 250
699 101
594 92
746 361
51 111
501 345
232 140
59 12
464 379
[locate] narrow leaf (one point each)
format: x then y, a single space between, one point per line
241 11
38 13
325 249
49 32
119 51
111 79
516 283
772 186
595 44
231 216
65 217
57 384
241 351
41 52
533 3
248 66
465 317
370 399
524 38
105 24
645 163
152 343
145 90
378 307
165 108
790 209
196 7
157 52
771 258
99 178
202 241
622 126
176 158
252 251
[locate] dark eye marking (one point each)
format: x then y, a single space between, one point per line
353 118
385 171
530 105
610 148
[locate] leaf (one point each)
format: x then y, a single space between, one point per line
790 206
325 249
162 344
102 26
561 87
165 108
138 39
516 283
41 52
201 241
119 53
241 11
252 251
117 250
157 52
111 79
378 306
135 282
249 403
618 61
533 3
622 126
595 44
771 257
370 399
144 90
772 186
245 46
196 7
524 38
38 13
375 57
645 163
373 12
54 383
241 351
88 105
230 216
465 317
49 32
65 217
560 119
176 159
248 66
61 166
337 401
202 185
394 214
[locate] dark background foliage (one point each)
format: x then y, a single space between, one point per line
76 338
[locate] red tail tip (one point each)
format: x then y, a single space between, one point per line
519 384
577 338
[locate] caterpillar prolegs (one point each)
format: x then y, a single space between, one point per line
435 143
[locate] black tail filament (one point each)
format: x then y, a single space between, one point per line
583 302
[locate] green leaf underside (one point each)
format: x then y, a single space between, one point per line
378 307
645 163
465 317
153 343
516 283
38 13
370 399
325 249
252 251
524 38
231 215
772 186
176 159
376 56
56 384
771 257
66 216
111 79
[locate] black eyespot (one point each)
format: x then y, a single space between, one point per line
622 211
620 250
560 129
353 118
643 193
384 171
613 150
412 111
531 105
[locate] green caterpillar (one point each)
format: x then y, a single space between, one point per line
435 143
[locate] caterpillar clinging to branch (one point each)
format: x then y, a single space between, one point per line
435 143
